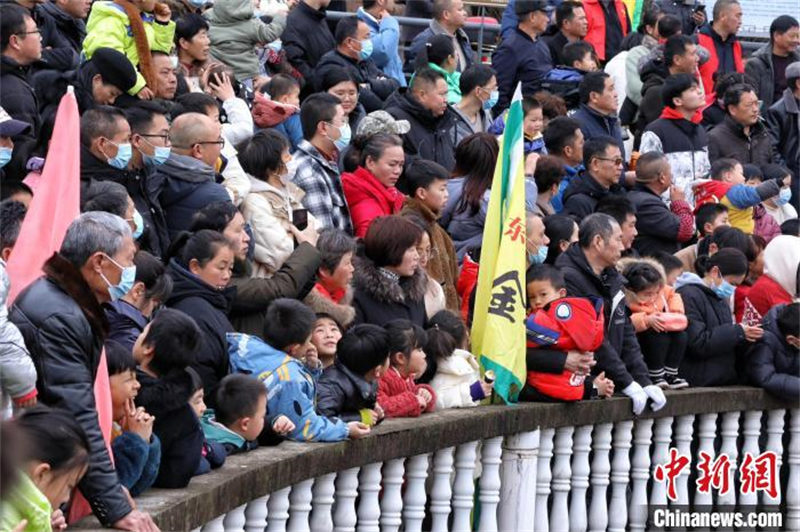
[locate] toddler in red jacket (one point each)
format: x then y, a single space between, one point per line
398 394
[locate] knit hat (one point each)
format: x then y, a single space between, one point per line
381 122
10 127
114 68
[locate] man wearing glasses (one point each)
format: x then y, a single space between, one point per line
603 161
20 46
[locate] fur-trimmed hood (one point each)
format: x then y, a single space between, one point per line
368 277
69 279
342 312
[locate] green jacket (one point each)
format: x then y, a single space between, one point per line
108 27
216 431
26 502
453 83
235 31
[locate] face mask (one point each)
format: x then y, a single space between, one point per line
5 155
159 157
784 197
126 281
197 3
725 290
139 223
344 137
366 49
492 101
539 256
124 152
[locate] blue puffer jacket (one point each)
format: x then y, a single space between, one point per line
385 36
772 363
136 461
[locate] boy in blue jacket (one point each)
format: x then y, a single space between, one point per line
290 372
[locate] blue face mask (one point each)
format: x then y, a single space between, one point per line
139 223
197 3
126 281
489 104
539 256
159 157
725 290
344 136
366 49
123 157
5 155
784 197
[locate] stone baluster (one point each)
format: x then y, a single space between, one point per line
278 510
255 515
392 500
489 485
543 476
706 431
620 469
601 467
464 486
580 478
775 445
215 525
518 474
793 484
729 431
415 496
751 430
235 520
662 436
344 509
640 474
300 506
684 428
441 491
369 487
559 511
323 499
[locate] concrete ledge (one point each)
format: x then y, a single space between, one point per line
249 476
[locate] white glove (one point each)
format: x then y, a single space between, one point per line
657 395
637 394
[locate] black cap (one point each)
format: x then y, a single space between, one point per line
10 127
523 7
115 68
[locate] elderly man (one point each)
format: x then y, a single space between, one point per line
64 326
449 18
590 270
186 182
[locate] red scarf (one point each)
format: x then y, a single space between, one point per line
672 114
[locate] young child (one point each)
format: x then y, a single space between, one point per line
17 372
706 218
764 225
277 105
457 381
164 351
564 324
780 207
672 265
773 363
136 28
240 413
532 126
348 389
214 453
727 186
136 450
325 336
564 80
398 394
291 383
659 319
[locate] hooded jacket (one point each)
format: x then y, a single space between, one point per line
323 302
19 101
346 395
772 363
728 139
306 39
598 32
759 68
713 337
455 379
184 185
125 322
374 86
18 375
209 308
711 41
783 121
431 137
64 328
619 355
778 283
59 29
235 32
653 74
582 195
659 228
464 227
379 299
368 199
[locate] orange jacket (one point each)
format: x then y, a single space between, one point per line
668 300
596 35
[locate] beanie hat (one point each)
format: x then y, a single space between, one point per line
114 68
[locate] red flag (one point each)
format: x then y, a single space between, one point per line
56 203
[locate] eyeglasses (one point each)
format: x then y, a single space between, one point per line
164 138
616 160
219 141
28 32
430 253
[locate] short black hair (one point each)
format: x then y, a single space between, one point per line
262 154
594 225
319 107
566 11
140 116
674 86
641 275
404 336
118 358
728 80
333 245
475 76
546 272
100 121
788 320
363 347
668 261
12 186
720 166
706 214
280 85
215 216
575 51
288 322
752 171
237 398
189 25
11 215
346 28
596 147
675 46
421 173
782 24
12 22
668 25
592 82
425 76
734 94
174 337
791 227
729 237
193 102
106 196
560 133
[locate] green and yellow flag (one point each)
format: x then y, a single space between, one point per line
498 326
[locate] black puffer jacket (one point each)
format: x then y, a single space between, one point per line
431 137
710 358
64 327
59 30
653 74
306 39
209 308
341 393
379 86
783 121
619 356
582 195
19 101
772 363
728 139
379 299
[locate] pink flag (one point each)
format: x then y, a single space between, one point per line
56 202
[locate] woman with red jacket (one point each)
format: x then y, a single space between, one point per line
370 190
779 283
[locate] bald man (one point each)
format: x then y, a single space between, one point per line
187 182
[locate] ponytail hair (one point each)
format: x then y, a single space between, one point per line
201 246
436 50
730 261
641 276
440 344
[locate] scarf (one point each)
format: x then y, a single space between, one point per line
142 45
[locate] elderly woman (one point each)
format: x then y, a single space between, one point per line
388 282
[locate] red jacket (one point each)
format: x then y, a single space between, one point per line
708 68
570 323
465 286
596 35
368 199
763 295
398 396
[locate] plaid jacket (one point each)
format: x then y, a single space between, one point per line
321 182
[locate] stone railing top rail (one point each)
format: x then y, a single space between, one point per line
248 476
